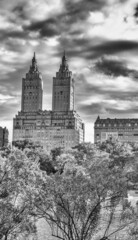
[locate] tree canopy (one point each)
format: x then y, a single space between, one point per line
85 198
81 193
17 173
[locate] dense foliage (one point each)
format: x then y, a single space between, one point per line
16 173
81 193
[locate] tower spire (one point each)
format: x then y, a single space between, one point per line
34 67
34 59
64 54
64 65
64 59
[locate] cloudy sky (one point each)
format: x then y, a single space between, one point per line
101 42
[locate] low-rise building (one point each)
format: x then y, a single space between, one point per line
125 130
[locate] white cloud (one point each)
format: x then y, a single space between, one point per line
34 43
109 83
41 9
52 42
96 18
118 23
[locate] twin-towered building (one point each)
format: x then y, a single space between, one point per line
61 127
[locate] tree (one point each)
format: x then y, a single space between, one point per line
86 199
56 152
119 152
22 144
45 161
17 173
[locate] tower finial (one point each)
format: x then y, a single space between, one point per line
64 59
64 65
64 54
34 58
34 64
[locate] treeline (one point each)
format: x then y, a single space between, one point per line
81 193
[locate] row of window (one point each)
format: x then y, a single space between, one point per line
116 125
65 74
30 87
29 98
123 134
61 97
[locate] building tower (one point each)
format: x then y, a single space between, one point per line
61 127
63 88
32 89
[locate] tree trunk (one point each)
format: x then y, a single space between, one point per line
6 237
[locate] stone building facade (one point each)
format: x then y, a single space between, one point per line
4 134
125 130
32 89
61 127
63 89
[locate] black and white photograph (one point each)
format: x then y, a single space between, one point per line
68 119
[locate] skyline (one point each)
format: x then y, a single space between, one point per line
100 39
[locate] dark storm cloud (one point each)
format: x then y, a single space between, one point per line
129 111
20 10
136 12
85 90
61 23
47 28
80 10
121 96
112 47
102 108
95 47
95 108
5 34
122 1
113 67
